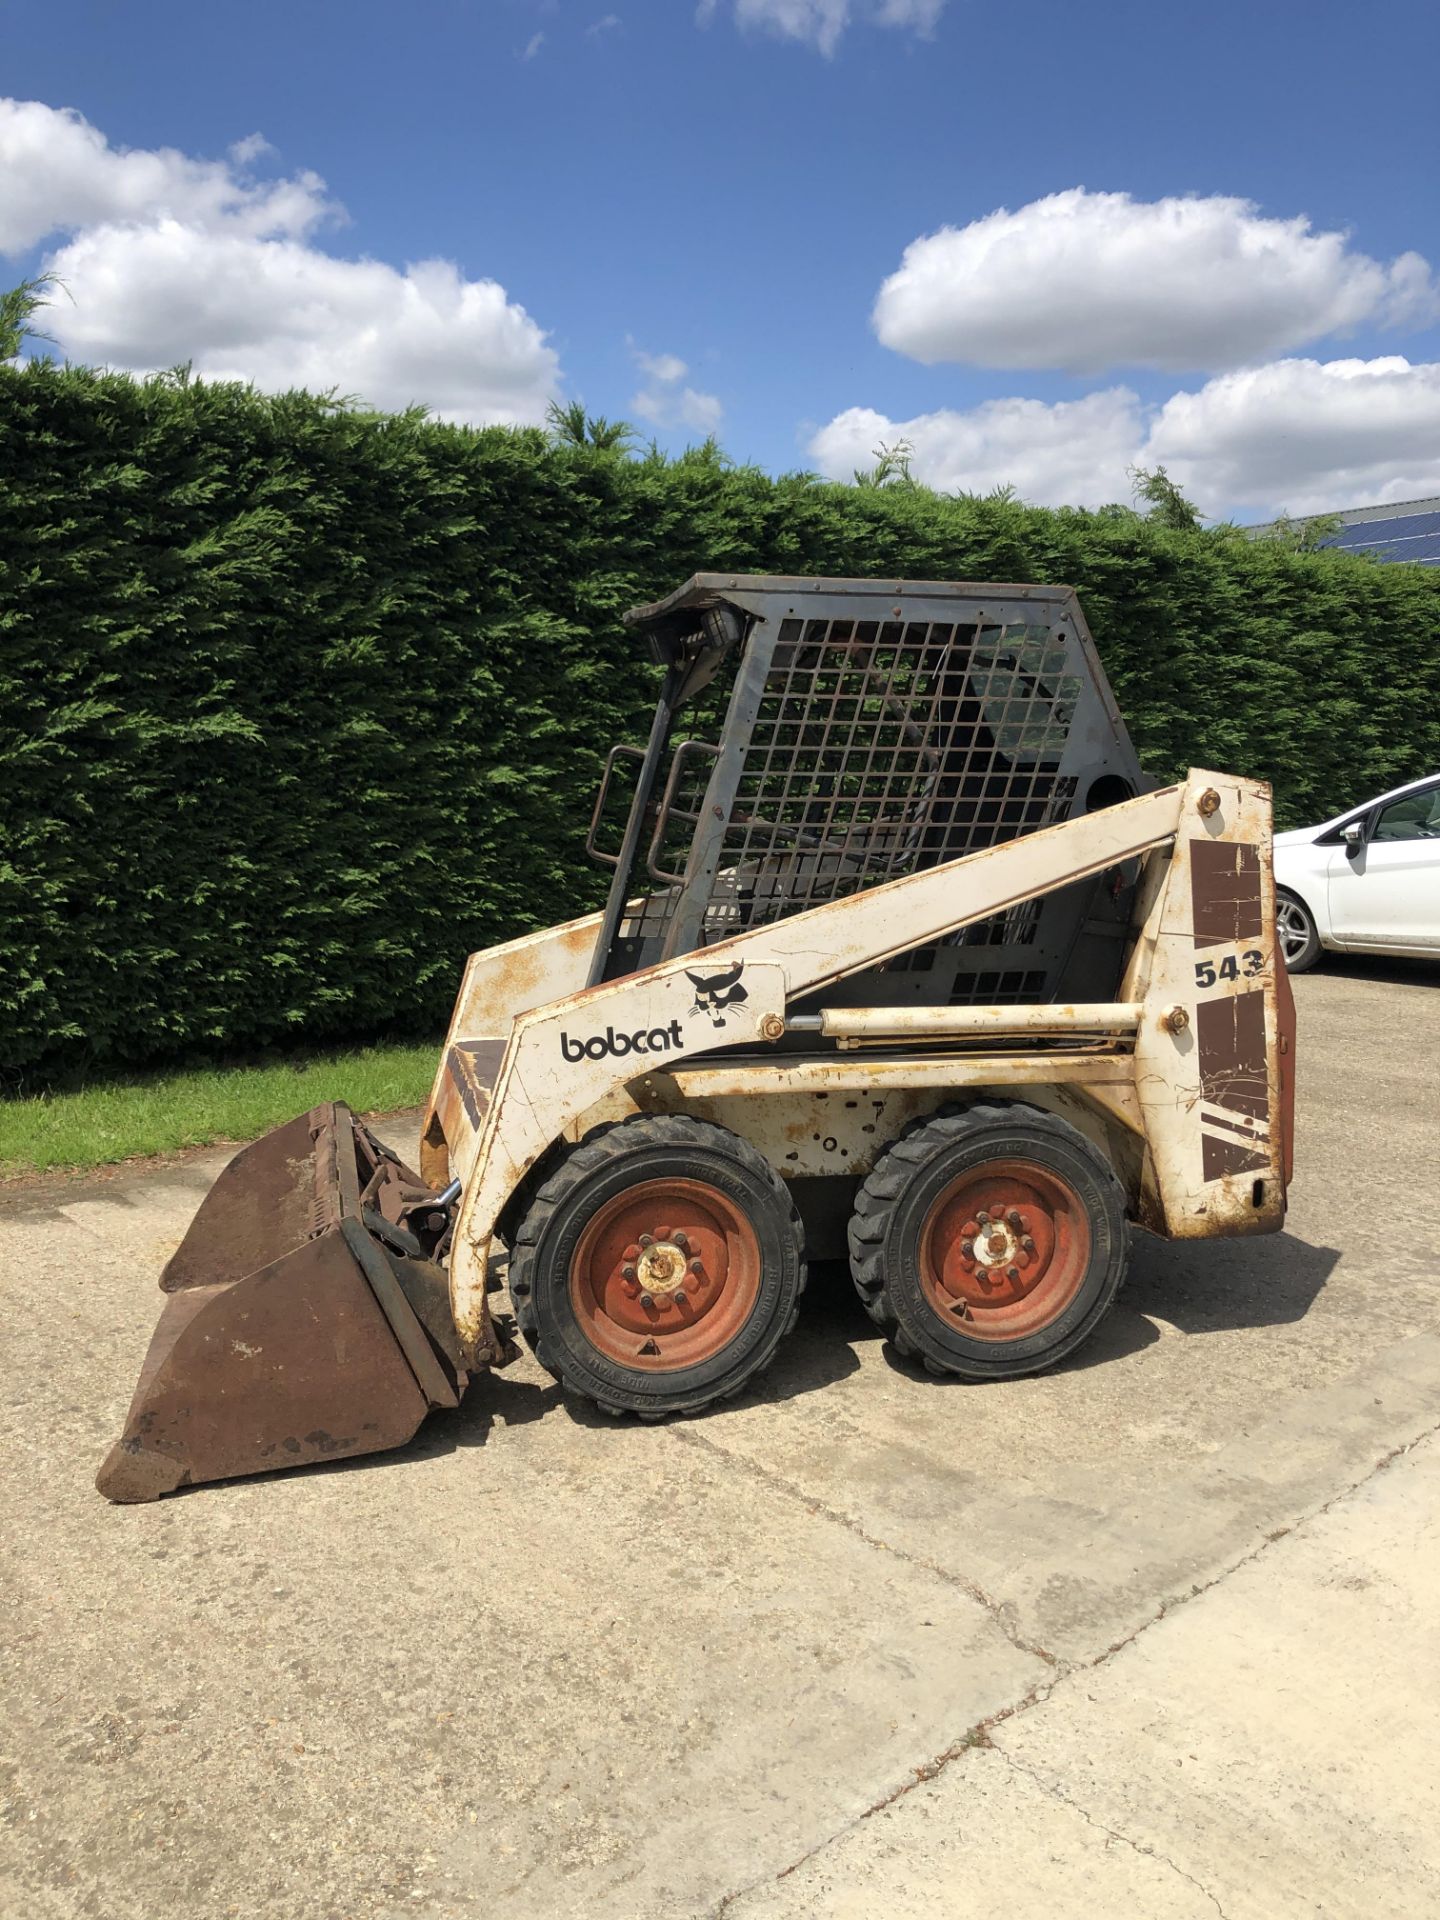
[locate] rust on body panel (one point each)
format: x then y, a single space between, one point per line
499 983
860 1073
1206 1066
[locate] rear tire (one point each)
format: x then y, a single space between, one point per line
1296 932
1007 1295
658 1266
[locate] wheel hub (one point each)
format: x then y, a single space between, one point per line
1004 1249
661 1266
665 1274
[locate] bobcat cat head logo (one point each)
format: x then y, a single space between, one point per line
716 992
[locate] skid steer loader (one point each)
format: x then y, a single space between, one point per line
903 956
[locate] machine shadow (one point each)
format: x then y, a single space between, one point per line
1198 1287
1216 1286
819 1352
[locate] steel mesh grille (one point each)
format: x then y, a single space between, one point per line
879 748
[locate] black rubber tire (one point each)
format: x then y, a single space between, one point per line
894 1201
612 1158
1301 917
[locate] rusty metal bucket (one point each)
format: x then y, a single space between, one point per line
307 1317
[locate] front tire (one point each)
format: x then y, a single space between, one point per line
1296 932
658 1266
990 1241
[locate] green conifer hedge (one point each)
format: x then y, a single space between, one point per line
299 704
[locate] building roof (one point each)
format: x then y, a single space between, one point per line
1398 530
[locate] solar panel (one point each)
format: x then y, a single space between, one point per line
1414 526
1406 531
1413 537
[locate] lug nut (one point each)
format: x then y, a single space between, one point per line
967 1249
628 1272
681 1240
1012 1273
647 1240
1014 1221
680 1299
983 1218
1028 1244
647 1299
696 1265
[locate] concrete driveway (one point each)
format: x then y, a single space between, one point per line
1151 1635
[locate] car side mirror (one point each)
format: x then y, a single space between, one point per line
1354 837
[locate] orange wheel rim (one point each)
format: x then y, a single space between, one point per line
1004 1250
665 1275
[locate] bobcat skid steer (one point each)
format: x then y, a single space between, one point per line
903 955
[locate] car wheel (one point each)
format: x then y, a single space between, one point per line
1295 930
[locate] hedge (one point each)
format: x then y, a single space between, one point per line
300 704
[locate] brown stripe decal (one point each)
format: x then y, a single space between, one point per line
1230 1035
1219 1157
1224 892
1245 1128
472 1066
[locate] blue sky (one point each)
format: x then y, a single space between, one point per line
730 187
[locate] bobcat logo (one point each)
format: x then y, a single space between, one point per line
715 993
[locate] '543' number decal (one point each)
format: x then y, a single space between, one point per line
1207 973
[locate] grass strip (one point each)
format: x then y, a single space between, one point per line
105 1121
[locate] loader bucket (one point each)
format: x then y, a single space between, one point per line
304 1319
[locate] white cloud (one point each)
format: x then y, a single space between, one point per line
822 22
1302 436
1082 281
664 367
1305 435
922 16
603 25
253 147
665 402
1073 453
172 259
532 46
60 174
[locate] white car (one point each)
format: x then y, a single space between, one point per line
1367 881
